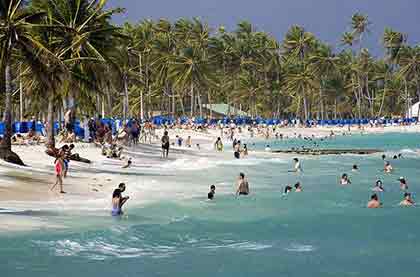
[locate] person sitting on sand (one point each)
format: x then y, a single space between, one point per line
165 144
388 167
407 201
243 185
378 187
118 200
374 202
128 164
287 190
298 187
212 192
345 180
403 183
218 145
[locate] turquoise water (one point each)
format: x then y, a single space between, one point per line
324 231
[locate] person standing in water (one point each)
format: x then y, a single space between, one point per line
218 144
297 166
118 200
165 144
212 192
374 202
298 187
345 180
403 183
388 167
237 150
378 187
242 185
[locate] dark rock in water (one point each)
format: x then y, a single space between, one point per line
329 151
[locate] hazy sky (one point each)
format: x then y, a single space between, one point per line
327 19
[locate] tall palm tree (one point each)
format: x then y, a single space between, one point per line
297 46
16 35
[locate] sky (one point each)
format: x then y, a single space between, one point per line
327 19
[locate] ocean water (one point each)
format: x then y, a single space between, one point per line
324 231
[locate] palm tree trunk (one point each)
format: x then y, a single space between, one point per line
210 104
192 99
141 105
407 97
6 152
125 104
199 104
50 124
305 107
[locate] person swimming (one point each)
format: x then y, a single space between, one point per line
378 186
345 180
267 148
383 156
374 202
243 185
388 167
407 201
118 200
212 192
355 168
403 183
298 187
287 190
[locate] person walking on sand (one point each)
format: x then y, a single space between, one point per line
165 144
59 171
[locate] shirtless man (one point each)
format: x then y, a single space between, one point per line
403 183
243 186
374 202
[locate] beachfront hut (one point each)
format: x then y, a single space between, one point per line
223 110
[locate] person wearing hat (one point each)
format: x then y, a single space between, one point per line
403 183
407 201
118 200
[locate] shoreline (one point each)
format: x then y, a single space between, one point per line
89 186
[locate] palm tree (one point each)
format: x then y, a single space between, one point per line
16 35
360 25
324 65
297 46
410 69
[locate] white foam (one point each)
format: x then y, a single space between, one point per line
99 249
247 245
295 247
